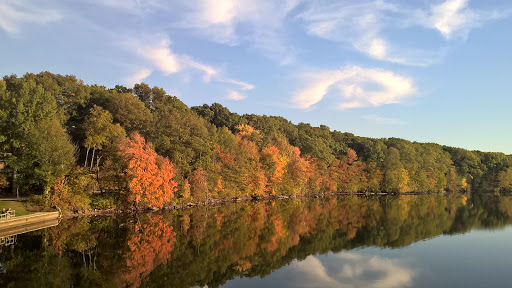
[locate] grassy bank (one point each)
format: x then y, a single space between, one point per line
18 206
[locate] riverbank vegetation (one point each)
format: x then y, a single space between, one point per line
75 144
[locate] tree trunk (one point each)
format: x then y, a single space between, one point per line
92 158
86 156
95 254
98 173
13 181
98 163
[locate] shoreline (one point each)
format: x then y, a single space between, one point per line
219 202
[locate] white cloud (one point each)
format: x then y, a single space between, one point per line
208 71
379 120
455 18
364 24
242 85
369 26
359 23
356 87
155 51
139 76
219 19
232 22
351 270
451 16
138 7
235 95
15 13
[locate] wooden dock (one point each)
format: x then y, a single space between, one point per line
27 223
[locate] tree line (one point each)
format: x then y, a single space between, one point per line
67 141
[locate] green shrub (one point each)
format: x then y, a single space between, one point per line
37 200
105 201
72 193
63 196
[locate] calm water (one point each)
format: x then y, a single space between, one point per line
406 241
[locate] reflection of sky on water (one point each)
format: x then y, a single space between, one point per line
480 258
344 269
352 270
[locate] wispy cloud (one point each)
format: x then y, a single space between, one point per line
156 52
242 85
455 18
365 24
235 95
208 71
379 120
256 22
451 16
138 76
15 13
354 87
137 7
369 26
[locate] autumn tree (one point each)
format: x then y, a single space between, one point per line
199 185
374 177
251 172
274 165
248 132
299 170
149 176
351 173
185 190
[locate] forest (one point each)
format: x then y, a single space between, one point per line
77 146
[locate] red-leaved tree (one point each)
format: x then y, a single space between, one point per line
149 175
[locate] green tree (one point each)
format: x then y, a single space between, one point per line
128 111
394 176
100 131
23 104
505 179
50 152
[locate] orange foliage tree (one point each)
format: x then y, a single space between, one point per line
300 170
249 167
199 186
149 175
275 168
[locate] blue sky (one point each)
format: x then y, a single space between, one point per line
427 71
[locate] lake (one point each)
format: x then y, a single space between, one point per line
450 240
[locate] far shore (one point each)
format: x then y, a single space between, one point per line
218 202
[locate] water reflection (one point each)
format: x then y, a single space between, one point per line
8 240
278 240
351 270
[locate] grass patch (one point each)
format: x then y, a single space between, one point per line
18 206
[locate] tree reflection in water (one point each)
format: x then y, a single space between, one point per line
209 247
